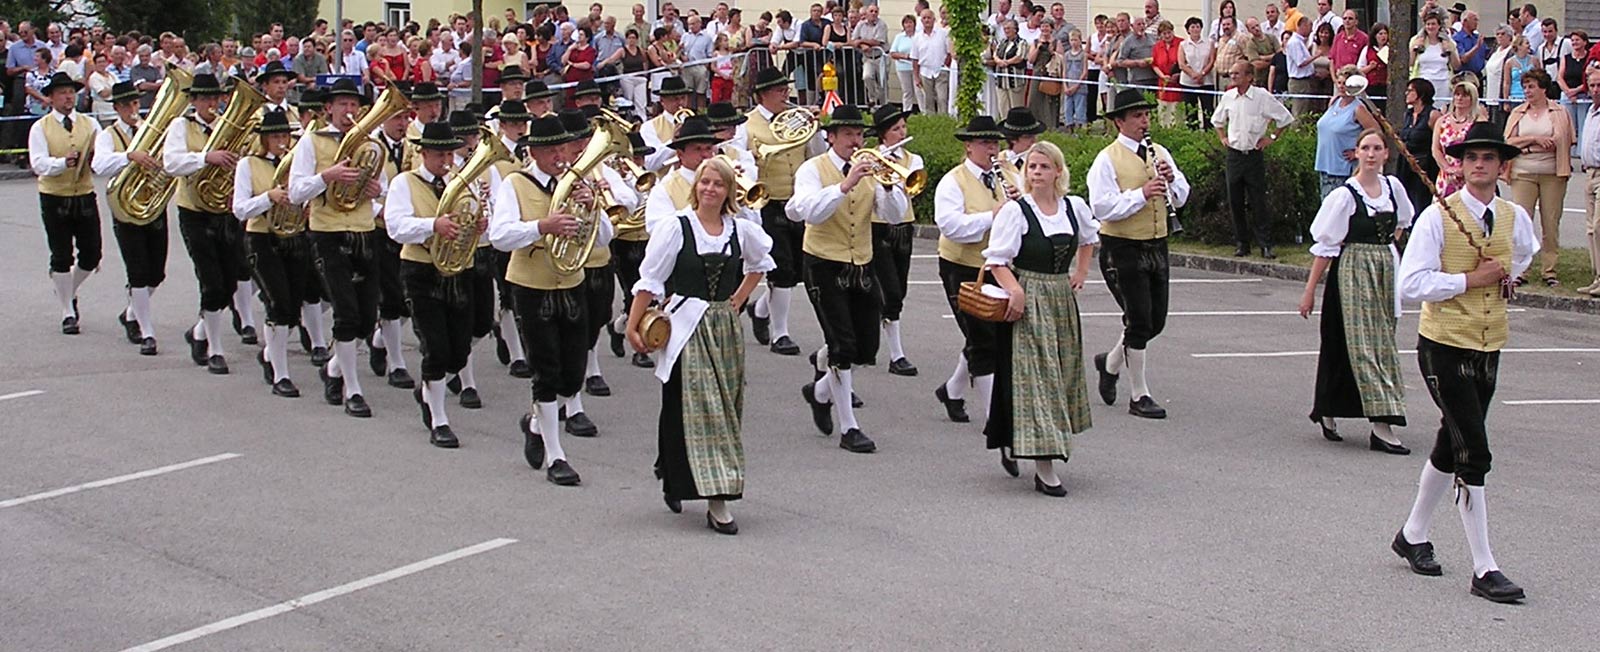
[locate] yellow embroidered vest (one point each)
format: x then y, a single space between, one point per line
777 170
531 266
846 237
72 182
664 128
261 171
197 143
1150 222
324 217
976 199
423 204
1475 319
119 143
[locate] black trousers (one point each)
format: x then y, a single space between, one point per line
788 238
242 272
1247 182
891 262
1138 275
980 335
144 251
69 222
1462 383
215 255
554 328
599 287
283 271
500 260
626 257
1091 85
848 306
440 309
1198 104
391 295
345 264
482 277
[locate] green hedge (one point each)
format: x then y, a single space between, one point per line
1292 191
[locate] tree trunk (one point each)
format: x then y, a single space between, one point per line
475 22
1402 25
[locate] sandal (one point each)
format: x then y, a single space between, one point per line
1552 282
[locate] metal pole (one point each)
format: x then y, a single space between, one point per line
338 20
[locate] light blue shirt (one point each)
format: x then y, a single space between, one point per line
1337 130
605 44
901 45
698 46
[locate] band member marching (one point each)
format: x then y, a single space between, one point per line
342 240
660 130
60 151
280 262
1459 262
143 245
964 206
1130 196
538 98
836 200
725 123
427 106
514 87
481 277
275 82
695 142
511 127
387 359
712 261
1022 131
891 243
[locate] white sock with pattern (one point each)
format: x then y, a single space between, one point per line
1431 487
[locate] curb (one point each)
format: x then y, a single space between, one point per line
11 173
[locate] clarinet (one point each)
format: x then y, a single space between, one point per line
1174 226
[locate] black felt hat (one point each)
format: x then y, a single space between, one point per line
673 86
203 84
124 91
513 111
696 129
1483 135
980 127
61 80
884 118
545 131
438 136
340 87
1127 99
511 74
425 91
1020 122
274 69
274 122
463 123
586 88
722 116
576 123
845 115
770 77
639 147
312 98
537 90
1458 8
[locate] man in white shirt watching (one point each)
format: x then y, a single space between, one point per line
1242 117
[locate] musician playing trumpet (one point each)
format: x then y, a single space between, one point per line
891 243
143 246
659 131
60 146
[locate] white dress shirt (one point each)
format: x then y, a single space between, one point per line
1588 143
39 157
1420 278
814 203
661 253
305 183
354 63
507 231
175 155
1298 56
107 161
1329 18
400 217
950 209
1110 202
1005 239
1247 117
1332 224
930 51
247 204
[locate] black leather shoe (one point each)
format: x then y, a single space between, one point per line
616 340
453 385
672 503
238 324
1494 587
501 351
427 414
443 437
197 348
356 406
470 399
1328 433
402 379
561 474
1241 250
332 388
785 346
816 371
1418 555
761 328
148 347
730 528
821 413
1053 491
579 425
378 360
855 401
902 367
643 361
1009 464
130 328
320 355
305 339
1386 447
1147 408
1268 253
249 337
1108 380
286 389
954 408
596 386
266 367
217 365
856 442
520 369
532 444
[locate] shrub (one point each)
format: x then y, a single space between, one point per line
1292 191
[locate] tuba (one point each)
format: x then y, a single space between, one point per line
363 151
569 253
143 193
793 128
213 185
889 173
286 221
461 203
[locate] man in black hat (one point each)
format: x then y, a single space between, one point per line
60 149
514 87
726 123
275 82
441 306
427 106
342 243
837 200
552 313
695 142
207 235
627 253
464 126
539 98
770 313
659 131
1022 131
314 326
1131 205
386 357
964 206
282 266
143 246
510 128
587 93
1459 263
891 242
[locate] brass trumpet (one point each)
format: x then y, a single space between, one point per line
643 180
888 172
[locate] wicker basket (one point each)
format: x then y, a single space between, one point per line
971 299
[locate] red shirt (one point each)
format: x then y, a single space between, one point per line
1346 48
1164 58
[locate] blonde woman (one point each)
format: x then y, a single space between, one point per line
1451 129
514 53
713 262
1039 252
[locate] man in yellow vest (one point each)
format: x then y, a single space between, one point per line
694 143
891 243
464 125
386 358
1459 263
539 98
427 106
627 251
514 87
342 243
143 246
510 126
60 150
964 205
275 82
836 201
1022 131
207 235
441 306
550 303
660 130
1131 203
770 313
281 265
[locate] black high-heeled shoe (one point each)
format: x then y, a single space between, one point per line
1009 464
1382 446
1327 433
1054 491
729 528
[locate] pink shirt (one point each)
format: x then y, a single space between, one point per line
1347 49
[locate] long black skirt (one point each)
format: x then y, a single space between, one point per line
1338 395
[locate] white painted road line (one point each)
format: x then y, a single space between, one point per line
31 392
1209 281
1291 354
117 480
1557 401
320 596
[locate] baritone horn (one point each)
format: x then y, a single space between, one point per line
143 193
461 203
363 151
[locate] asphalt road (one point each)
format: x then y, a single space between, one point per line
1231 525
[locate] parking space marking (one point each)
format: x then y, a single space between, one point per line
117 480
320 596
1290 354
31 392
1556 401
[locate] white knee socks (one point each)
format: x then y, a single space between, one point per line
316 324
762 307
433 393
779 305
550 430
66 291
842 409
389 329
1431 487
984 385
891 336
508 332
139 304
823 390
1475 519
244 303
593 368
1136 361
79 275
1046 471
1116 358
278 351
574 403
344 358
214 331
956 386
469 377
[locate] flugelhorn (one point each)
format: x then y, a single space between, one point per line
890 173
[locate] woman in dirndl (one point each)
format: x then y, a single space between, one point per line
712 262
1039 251
1358 367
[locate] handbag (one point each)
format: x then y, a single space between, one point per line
971 300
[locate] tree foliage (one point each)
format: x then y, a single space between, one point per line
42 12
295 15
195 20
966 31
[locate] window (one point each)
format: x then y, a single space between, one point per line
397 13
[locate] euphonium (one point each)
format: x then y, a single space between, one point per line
569 253
363 151
213 185
460 202
143 193
285 220
643 180
888 172
749 194
793 128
